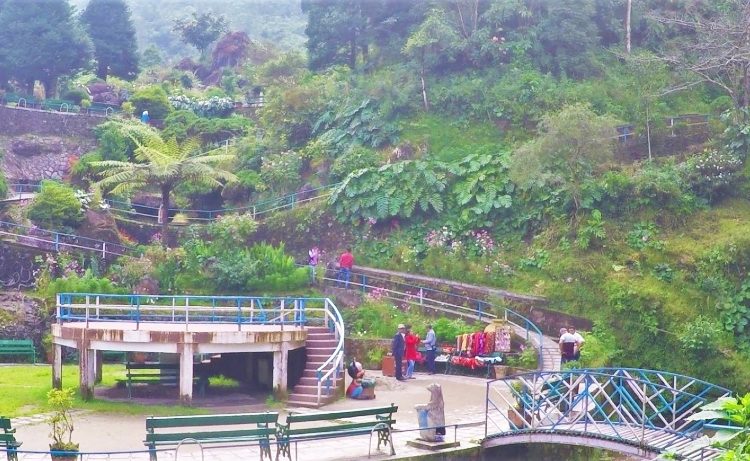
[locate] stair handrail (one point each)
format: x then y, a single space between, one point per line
332 315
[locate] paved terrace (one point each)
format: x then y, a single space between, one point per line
464 400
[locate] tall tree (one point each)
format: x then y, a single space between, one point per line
345 31
41 40
716 47
201 30
164 164
111 30
573 145
434 41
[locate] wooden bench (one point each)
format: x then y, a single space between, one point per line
18 347
382 418
227 429
8 439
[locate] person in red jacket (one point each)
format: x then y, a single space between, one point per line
346 262
411 354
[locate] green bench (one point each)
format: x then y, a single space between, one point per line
230 429
373 419
165 374
8 439
18 347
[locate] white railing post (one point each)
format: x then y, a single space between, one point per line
88 303
57 298
281 315
104 250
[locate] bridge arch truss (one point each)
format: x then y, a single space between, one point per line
629 410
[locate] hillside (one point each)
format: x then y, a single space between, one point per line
542 147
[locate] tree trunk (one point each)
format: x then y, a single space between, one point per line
101 70
165 217
353 51
628 12
424 90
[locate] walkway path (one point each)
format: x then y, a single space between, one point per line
464 399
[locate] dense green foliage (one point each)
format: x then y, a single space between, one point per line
56 206
111 30
40 41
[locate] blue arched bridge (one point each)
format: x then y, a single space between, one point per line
633 411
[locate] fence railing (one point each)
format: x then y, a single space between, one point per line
626 403
47 240
235 310
257 210
458 305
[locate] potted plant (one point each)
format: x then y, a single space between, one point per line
49 347
62 447
516 413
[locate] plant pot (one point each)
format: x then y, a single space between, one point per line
501 371
516 419
64 456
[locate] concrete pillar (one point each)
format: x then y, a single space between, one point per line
57 366
186 370
87 369
280 369
99 357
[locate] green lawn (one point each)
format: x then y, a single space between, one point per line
24 392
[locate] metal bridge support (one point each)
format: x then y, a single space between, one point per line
186 369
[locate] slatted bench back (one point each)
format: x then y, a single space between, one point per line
214 428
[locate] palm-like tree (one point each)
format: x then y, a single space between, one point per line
164 164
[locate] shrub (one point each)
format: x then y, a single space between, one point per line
55 206
233 228
3 186
281 172
154 100
711 173
355 159
76 95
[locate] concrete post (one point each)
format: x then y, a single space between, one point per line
57 366
87 368
186 369
280 369
99 360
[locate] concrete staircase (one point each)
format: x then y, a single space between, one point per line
321 343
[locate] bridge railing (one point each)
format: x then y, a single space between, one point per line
627 404
329 371
457 305
237 310
47 240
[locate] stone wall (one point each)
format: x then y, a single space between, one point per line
17 121
39 144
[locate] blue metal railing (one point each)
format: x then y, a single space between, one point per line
619 403
459 305
186 309
205 216
48 240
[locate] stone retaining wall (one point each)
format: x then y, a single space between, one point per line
16 121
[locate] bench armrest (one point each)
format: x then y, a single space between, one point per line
282 431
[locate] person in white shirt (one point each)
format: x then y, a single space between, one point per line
567 345
579 342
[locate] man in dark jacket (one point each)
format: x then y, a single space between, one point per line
398 345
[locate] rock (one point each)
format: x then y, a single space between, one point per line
30 145
99 225
22 317
147 286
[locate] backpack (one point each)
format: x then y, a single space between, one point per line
352 369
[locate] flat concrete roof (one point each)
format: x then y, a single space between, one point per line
192 327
